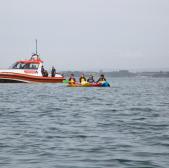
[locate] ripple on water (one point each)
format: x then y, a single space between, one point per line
124 126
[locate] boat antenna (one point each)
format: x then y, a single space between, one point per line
36 47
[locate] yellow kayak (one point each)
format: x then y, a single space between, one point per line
84 85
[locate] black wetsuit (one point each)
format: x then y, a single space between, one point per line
72 79
53 72
43 71
90 80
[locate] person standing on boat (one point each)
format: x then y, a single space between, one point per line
46 73
53 72
72 79
42 70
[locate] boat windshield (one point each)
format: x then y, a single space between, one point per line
20 65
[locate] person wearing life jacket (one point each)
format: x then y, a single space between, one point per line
82 79
90 79
102 79
72 79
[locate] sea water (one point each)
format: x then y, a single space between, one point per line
54 126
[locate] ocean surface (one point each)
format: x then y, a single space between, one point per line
54 126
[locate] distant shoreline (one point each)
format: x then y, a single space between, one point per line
120 73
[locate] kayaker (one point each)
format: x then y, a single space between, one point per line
72 79
82 79
90 79
101 79
53 72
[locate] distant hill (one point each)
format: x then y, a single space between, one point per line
120 73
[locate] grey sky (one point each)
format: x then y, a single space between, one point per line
86 34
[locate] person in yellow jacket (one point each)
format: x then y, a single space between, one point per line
72 79
102 79
82 79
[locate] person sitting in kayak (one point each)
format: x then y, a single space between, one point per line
72 79
101 79
82 79
90 79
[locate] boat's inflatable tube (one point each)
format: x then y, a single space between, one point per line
65 81
105 84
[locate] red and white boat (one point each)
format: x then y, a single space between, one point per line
28 71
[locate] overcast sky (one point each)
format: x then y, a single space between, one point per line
86 34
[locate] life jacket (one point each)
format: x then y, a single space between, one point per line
90 80
82 80
101 80
72 80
